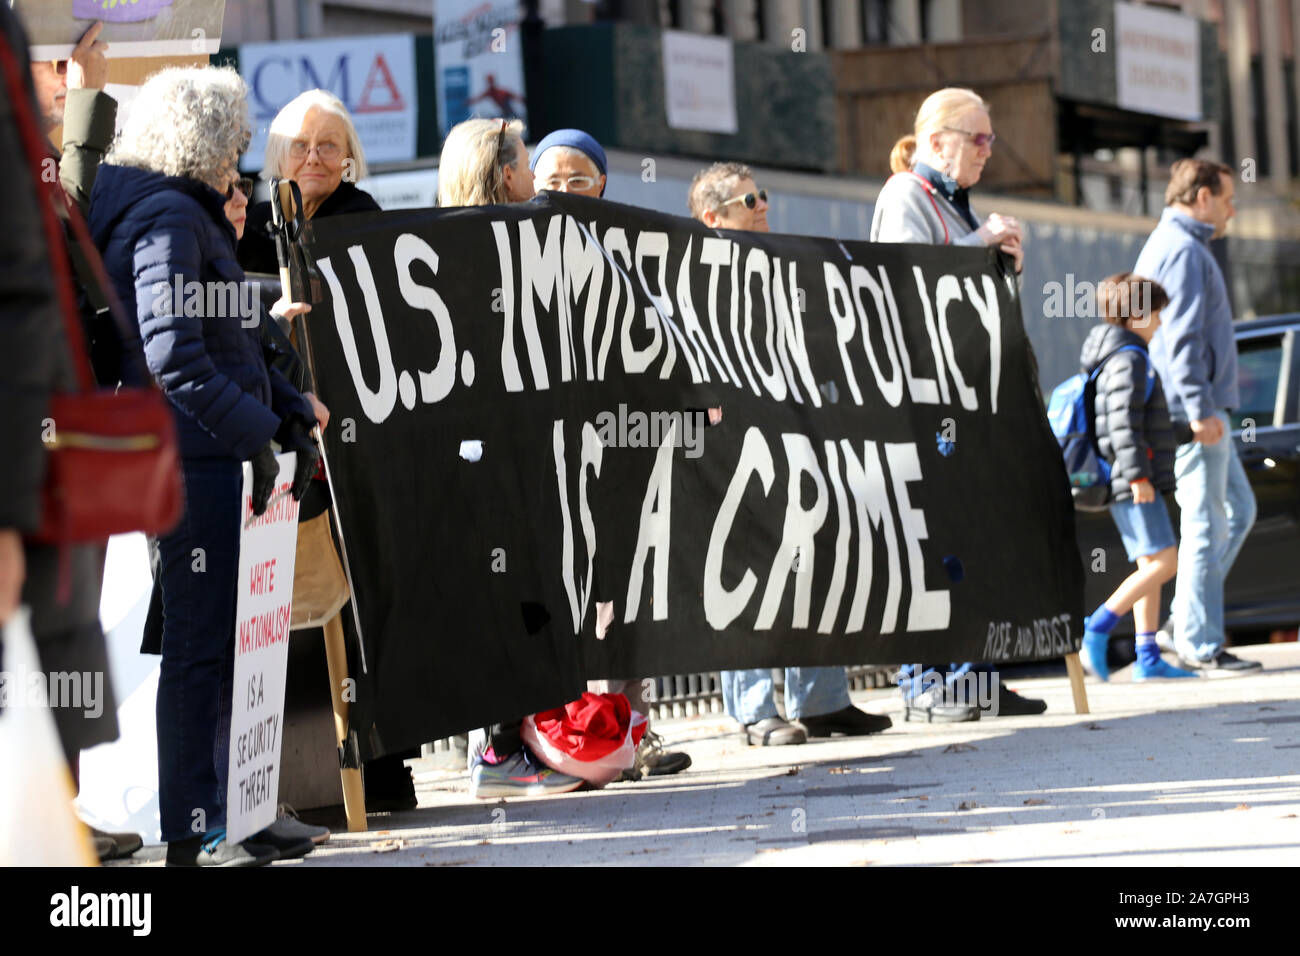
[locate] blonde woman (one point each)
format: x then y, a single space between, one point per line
484 162
927 199
313 142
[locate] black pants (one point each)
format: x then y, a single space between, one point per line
504 738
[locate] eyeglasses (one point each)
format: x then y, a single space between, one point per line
328 152
244 185
576 183
749 199
981 139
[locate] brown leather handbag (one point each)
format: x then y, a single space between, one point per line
113 461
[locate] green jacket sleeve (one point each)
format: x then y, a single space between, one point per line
89 121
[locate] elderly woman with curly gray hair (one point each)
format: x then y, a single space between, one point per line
158 217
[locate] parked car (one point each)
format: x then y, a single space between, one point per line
1263 588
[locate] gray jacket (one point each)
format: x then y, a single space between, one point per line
1194 349
907 212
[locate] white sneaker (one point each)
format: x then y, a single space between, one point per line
1165 637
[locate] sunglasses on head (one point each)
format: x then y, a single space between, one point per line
981 139
749 199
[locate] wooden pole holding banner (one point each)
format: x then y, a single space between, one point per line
336 657
1074 667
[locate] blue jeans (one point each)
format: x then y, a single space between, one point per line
198 650
914 679
749 696
1218 510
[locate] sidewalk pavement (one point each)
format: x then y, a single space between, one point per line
1203 772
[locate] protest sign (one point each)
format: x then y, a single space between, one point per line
132 28
519 450
267 548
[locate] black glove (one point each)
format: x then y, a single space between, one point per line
294 437
265 470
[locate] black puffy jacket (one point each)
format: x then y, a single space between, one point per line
1134 433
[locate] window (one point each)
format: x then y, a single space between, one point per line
1260 107
1289 94
1259 369
875 22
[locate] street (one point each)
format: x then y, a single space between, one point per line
1179 773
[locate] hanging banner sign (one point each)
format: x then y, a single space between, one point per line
572 439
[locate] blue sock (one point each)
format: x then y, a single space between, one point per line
1103 620
1148 651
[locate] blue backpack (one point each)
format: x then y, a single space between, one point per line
1070 414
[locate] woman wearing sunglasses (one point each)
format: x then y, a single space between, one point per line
927 199
725 196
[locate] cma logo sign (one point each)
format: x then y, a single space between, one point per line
278 79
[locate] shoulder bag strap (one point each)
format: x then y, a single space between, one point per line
929 192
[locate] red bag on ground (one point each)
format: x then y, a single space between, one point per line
594 737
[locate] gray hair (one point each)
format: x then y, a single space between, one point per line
187 121
288 124
712 187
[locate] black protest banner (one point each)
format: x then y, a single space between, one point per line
533 495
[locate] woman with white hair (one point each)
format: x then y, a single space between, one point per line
157 214
313 142
927 199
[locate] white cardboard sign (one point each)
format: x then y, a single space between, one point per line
267 548
1157 62
699 82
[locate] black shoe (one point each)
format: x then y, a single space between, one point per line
774 732
390 792
1011 704
848 721
933 707
216 850
1221 664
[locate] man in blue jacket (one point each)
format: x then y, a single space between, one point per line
1195 354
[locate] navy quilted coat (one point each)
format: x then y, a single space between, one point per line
157 233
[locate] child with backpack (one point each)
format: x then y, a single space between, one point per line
1135 437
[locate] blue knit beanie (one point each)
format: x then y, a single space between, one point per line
578 140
